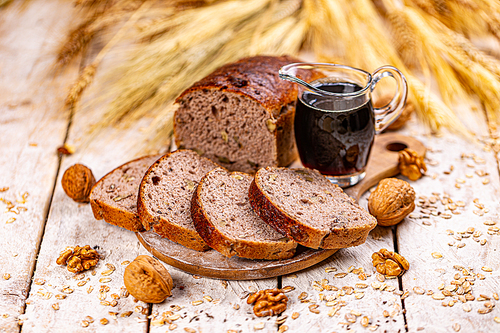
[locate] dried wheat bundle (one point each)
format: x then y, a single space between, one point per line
179 42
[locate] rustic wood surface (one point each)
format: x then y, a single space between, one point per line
449 261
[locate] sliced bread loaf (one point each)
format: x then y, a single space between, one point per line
114 197
164 202
223 217
241 115
305 206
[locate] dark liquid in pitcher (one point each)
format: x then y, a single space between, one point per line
334 142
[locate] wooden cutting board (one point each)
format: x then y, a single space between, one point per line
383 163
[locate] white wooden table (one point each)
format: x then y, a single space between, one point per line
448 240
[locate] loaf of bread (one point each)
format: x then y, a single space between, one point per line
308 208
241 116
165 193
114 197
223 217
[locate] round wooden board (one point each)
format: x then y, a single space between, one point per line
383 163
214 265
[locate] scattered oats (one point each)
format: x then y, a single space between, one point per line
418 290
114 303
189 330
302 296
287 289
236 306
113 314
172 327
361 285
466 307
456 327
252 289
489 222
89 289
281 319
283 328
497 320
486 181
359 295
484 310
105 303
55 306
487 269
81 283
460 180
483 241
495 296
259 326
375 285
126 314
333 311
380 277
386 313
126 262
436 255
195 303
314 308
6 276
84 323
67 290
104 280
340 275
350 318
295 315
174 317
197 277
438 297
60 296
460 245
107 272
208 298
11 220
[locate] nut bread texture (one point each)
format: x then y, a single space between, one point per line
114 197
165 193
241 116
223 217
308 208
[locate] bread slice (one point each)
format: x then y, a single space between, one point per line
114 197
164 202
305 206
223 217
241 115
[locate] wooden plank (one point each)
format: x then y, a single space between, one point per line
32 126
436 246
372 302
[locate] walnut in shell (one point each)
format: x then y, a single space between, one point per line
148 280
77 181
392 201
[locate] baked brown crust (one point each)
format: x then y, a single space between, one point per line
113 214
335 238
257 78
281 222
239 247
254 77
164 228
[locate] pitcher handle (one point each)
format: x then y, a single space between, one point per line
386 115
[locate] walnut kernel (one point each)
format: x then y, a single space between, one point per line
268 302
77 181
392 201
78 259
148 280
411 164
390 263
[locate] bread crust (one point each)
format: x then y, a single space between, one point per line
112 214
163 227
257 78
303 234
231 247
